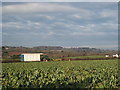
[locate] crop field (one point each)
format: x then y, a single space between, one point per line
61 74
88 57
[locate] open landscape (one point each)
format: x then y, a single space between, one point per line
59 45
67 69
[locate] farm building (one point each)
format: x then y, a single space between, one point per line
31 56
116 56
107 55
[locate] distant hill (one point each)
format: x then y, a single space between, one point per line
48 48
55 48
54 51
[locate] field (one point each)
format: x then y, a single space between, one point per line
92 57
61 74
88 57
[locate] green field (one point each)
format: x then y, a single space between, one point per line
87 57
10 59
61 74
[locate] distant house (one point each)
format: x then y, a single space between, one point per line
6 48
116 56
107 56
31 56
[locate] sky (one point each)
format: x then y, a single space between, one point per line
67 24
60 0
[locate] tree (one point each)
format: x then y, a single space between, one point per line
5 54
15 57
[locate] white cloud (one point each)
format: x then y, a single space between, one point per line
49 17
37 7
40 22
109 13
88 33
110 26
20 25
85 30
30 23
42 10
60 28
12 24
76 16
50 33
84 14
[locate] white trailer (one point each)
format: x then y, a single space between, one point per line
31 56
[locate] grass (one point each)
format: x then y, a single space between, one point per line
10 59
87 57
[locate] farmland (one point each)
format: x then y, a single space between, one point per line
61 74
92 56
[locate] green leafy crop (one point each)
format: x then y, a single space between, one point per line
61 74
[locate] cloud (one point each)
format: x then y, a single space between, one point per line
65 24
20 25
45 16
37 7
60 28
103 29
88 34
109 13
60 10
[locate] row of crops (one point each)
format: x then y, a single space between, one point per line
62 74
